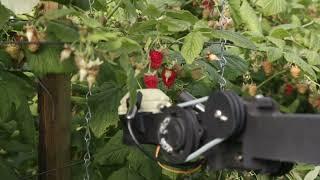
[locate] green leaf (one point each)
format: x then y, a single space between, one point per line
271 7
47 60
202 24
125 174
236 38
182 15
314 41
6 172
282 30
235 67
313 57
5 59
278 42
14 92
90 22
151 11
143 26
235 11
104 103
213 74
249 17
129 46
143 165
312 175
192 46
273 53
112 153
26 123
294 58
63 32
4 15
130 9
170 25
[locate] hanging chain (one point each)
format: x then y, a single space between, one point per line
87 139
222 60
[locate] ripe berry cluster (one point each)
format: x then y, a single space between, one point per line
168 75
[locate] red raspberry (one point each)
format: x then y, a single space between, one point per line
156 58
151 81
168 77
207 4
288 89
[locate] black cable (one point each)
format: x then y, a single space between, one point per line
180 166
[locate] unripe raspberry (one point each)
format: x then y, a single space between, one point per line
295 71
212 57
252 89
302 88
206 13
211 23
13 50
267 67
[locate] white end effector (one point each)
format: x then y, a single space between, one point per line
152 101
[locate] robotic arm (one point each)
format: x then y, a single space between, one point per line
223 130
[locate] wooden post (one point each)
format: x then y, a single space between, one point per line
54 133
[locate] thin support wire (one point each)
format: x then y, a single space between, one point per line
87 139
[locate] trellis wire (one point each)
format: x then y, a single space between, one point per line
87 138
222 61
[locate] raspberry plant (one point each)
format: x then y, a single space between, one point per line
121 45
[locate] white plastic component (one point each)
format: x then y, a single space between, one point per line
152 101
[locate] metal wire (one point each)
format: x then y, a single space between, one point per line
222 60
87 138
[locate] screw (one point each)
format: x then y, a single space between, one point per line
239 158
218 114
224 118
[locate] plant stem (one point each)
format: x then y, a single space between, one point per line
114 10
308 24
270 78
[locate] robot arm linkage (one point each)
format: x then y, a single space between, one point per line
224 130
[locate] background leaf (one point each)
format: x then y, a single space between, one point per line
113 152
4 15
249 17
104 103
312 175
192 46
125 174
236 38
271 7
